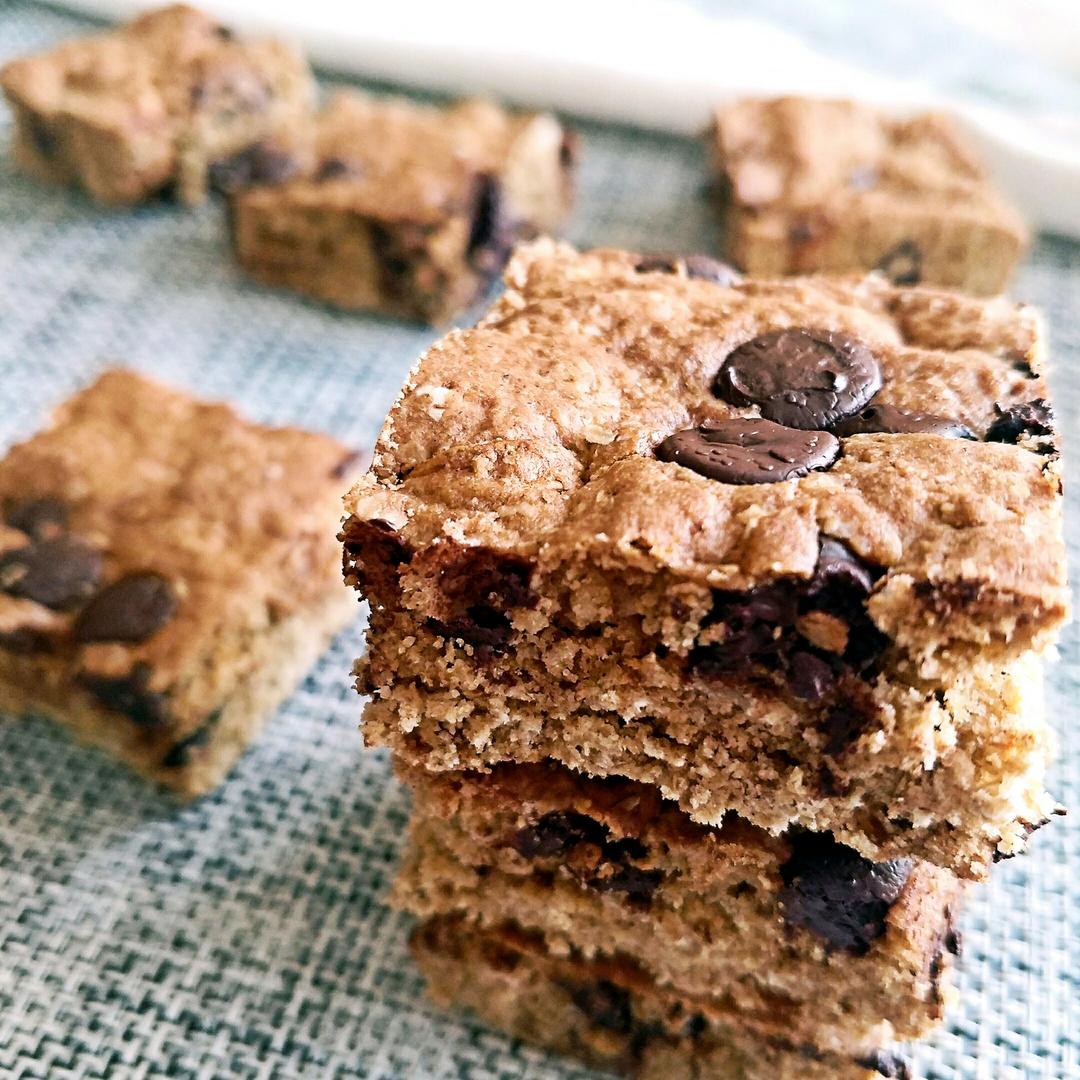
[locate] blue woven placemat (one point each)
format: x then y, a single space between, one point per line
245 936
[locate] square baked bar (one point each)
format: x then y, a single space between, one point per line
780 548
168 572
170 100
812 185
794 938
407 209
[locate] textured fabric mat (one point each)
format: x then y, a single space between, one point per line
245 936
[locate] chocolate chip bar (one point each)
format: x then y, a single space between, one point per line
809 185
796 938
610 1015
406 209
169 101
168 572
784 549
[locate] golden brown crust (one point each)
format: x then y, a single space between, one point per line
819 185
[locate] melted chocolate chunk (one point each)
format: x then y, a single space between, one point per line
902 265
760 626
636 884
606 1005
59 573
179 755
809 677
129 695
807 379
383 552
1021 421
25 641
258 164
42 135
838 895
40 519
557 833
334 169
842 726
491 236
889 420
887 1064
478 588
131 609
749 451
697 267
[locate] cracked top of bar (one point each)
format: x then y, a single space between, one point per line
536 435
143 531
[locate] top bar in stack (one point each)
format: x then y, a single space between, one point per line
781 548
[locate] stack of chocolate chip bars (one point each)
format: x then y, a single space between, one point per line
705 622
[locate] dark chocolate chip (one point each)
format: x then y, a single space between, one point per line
606 1005
842 726
346 464
809 677
839 569
889 420
863 178
334 169
749 451
706 268
838 895
750 622
1021 421
40 519
809 379
698 267
41 135
258 164
25 641
131 609
556 833
129 695
637 884
59 573
491 236
902 264
887 1064
179 755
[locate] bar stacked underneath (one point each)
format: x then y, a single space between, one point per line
705 624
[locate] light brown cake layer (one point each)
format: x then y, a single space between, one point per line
406 208
167 570
954 777
811 185
171 98
608 1014
798 937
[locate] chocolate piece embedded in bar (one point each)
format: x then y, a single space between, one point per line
168 571
844 644
407 208
167 100
810 185
798 936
